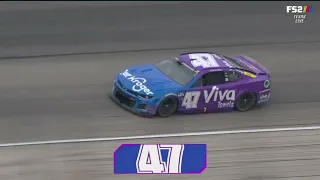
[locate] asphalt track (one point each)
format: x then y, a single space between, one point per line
57 65
264 156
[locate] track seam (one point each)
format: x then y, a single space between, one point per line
156 49
161 136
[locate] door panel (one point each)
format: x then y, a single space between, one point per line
220 97
191 100
218 93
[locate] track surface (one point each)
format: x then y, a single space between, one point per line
264 156
122 27
64 97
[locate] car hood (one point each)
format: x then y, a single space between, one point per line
146 80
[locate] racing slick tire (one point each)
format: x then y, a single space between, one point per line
167 107
246 101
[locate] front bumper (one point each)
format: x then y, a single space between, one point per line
133 110
130 102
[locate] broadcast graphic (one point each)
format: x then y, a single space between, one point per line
160 159
299 12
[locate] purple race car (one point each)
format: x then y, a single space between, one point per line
193 83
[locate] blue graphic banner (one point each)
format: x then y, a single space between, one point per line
160 159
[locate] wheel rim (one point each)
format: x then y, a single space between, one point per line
167 107
246 101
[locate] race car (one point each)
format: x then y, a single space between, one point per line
197 82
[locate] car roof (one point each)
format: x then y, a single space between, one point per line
204 60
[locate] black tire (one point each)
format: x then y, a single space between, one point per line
167 107
246 101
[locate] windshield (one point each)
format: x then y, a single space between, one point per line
176 71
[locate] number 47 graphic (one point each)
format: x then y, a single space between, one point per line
149 159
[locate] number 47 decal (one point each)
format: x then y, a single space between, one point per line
149 159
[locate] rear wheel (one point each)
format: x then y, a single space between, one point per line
246 101
167 107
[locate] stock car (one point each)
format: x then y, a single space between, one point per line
197 82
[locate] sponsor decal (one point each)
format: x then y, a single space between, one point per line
139 83
218 95
225 104
266 84
249 74
191 98
264 95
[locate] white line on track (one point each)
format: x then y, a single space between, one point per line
161 136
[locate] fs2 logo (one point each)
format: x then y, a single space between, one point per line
150 160
299 12
299 9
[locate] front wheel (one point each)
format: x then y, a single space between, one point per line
246 101
167 107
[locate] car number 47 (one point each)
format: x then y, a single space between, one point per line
149 159
191 99
204 60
